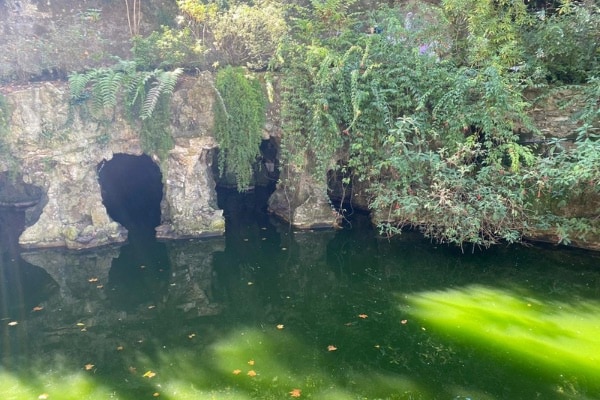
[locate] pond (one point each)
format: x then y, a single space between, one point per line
269 313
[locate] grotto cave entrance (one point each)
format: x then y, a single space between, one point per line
248 208
132 190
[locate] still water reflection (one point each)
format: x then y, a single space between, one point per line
266 313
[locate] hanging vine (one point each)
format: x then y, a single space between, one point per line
239 120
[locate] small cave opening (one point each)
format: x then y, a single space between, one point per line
249 207
132 191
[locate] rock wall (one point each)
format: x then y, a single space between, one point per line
53 147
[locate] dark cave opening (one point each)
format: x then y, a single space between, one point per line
244 211
132 190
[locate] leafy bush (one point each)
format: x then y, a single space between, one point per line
565 44
249 35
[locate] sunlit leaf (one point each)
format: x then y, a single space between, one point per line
252 373
37 308
296 393
88 367
331 348
404 321
237 371
149 374
251 362
363 316
155 394
280 326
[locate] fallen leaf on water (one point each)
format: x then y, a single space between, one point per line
252 373
280 326
191 335
100 286
151 307
155 394
92 280
43 396
237 371
120 348
296 393
37 308
13 323
251 362
80 324
149 374
88 367
404 321
331 348
363 316
83 330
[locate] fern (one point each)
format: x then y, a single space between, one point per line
164 85
142 93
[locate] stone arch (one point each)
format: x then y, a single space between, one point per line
132 191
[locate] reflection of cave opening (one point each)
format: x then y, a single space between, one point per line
132 191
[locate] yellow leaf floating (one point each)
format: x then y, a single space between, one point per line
363 316
331 348
13 323
252 373
251 362
88 367
296 393
280 326
155 394
37 308
237 371
149 374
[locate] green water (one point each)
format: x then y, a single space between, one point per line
265 313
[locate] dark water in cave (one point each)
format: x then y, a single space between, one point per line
269 313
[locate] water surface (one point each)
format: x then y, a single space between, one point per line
267 313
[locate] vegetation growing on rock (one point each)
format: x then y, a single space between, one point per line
421 104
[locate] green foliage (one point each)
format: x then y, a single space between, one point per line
145 96
239 120
451 166
249 35
564 46
487 30
447 194
4 115
167 48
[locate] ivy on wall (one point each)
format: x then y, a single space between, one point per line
239 120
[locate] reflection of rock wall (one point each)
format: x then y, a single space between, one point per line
58 150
